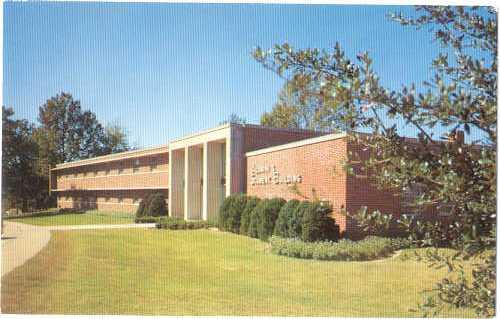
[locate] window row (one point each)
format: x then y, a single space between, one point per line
119 168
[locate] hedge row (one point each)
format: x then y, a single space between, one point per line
250 216
60 211
179 223
149 219
153 205
366 249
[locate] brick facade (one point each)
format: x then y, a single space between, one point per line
111 183
315 169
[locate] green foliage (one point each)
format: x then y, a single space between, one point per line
462 95
286 213
152 205
141 209
115 139
252 202
317 224
23 187
266 213
52 212
367 249
253 226
295 220
175 223
230 212
157 205
149 219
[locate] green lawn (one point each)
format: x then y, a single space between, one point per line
88 218
204 272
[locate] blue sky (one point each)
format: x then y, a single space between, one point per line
164 70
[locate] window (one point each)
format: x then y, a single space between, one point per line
153 165
106 171
136 166
106 199
120 199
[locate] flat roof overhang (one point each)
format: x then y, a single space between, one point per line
114 157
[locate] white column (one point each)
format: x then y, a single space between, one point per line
205 182
186 181
170 167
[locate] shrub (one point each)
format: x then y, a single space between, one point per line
157 205
317 224
267 212
284 216
230 212
295 220
175 223
148 219
141 210
45 213
247 214
254 222
367 249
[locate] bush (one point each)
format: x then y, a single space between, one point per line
317 224
247 214
367 249
157 205
45 213
295 220
230 212
253 225
148 219
175 223
284 216
141 209
267 212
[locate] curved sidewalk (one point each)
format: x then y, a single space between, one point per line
20 242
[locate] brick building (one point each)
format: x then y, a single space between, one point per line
198 171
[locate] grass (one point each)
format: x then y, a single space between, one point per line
203 272
91 217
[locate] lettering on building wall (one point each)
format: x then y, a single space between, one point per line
269 174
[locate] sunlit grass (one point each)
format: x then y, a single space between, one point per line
204 272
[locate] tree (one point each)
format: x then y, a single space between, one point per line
68 133
115 139
297 109
234 119
20 182
458 177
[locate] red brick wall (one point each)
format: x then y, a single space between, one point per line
253 137
321 168
362 191
119 201
79 184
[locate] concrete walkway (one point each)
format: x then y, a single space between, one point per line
20 242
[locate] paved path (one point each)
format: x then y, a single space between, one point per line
21 242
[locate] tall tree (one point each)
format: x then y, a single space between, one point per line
67 133
115 139
21 185
301 105
457 177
